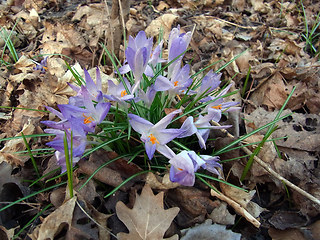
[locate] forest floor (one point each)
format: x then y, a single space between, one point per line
279 42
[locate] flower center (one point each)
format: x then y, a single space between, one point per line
180 169
217 107
175 83
87 119
153 139
124 93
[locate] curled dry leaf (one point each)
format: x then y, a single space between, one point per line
147 219
165 21
7 153
162 183
78 217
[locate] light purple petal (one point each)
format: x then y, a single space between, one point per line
162 84
164 122
166 135
139 124
124 69
150 149
165 151
188 128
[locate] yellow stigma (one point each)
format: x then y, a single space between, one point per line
217 107
124 93
153 139
175 83
87 119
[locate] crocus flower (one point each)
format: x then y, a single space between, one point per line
148 96
94 89
42 66
180 80
178 43
210 82
201 127
79 142
186 163
155 136
183 167
89 117
137 55
62 125
155 56
211 163
118 93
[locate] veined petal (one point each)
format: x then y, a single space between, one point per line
90 85
139 124
150 149
164 122
166 135
162 84
124 69
202 142
188 128
165 151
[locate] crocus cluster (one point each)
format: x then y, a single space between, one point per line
149 86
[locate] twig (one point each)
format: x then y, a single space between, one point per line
237 207
274 173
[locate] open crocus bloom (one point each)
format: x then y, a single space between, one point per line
155 137
118 93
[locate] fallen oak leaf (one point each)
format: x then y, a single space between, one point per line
147 219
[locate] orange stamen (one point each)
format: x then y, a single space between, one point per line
87 119
124 93
175 83
180 169
217 107
153 139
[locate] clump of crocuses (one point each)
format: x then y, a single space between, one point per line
148 87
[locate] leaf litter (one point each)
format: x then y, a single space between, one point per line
278 58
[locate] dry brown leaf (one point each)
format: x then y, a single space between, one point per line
54 223
221 215
288 234
209 231
165 21
78 217
147 219
162 183
7 153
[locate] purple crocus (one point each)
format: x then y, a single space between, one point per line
79 142
201 127
210 82
94 89
186 163
211 163
148 96
137 55
118 93
42 66
178 43
183 167
155 136
180 81
86 118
